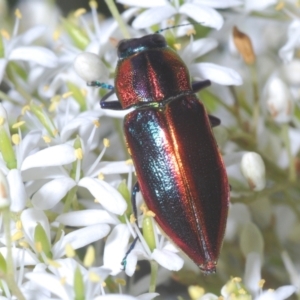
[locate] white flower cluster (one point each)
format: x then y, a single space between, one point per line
65 176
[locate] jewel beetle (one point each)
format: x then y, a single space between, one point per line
179 168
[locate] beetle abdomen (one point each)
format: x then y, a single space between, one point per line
181 175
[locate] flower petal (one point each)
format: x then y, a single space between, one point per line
39 55
52 156
22 257
205 15
86 217
153 16
167 259
145 4
108 196
252 272
52 192
115 248
216 73
80 238
50 283
30 218
17 190
219 3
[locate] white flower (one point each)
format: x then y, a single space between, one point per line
279 102
286 53
16 48
202 11
253 169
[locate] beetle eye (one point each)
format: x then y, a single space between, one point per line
122 47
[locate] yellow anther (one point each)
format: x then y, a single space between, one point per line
53 263
25 109
79 12
2 120
129 162
18 124
150 213
132 219
63 280
93 4
261 283
100 176
55 98
144 208
53 106
47 139
79 153
24 244
70 252
177 46
94 277
96 123
190 32
120 281
96 201
195 291
55 36
67 94
18 14
15 139
242 291
280 5
236 279
271 290
5 34
17 235
170 22
89 257
83 92
106 143
55 132
19 225
103 284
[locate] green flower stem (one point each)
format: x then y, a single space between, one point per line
116 15
10 280
236 107
68 202
256 107
252 197
153 278
292 165
19 89
4 96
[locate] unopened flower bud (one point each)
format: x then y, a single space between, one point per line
244 46
89 67
253 168
279 101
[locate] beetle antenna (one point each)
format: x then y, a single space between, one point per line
175 26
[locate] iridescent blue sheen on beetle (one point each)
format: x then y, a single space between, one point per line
179 168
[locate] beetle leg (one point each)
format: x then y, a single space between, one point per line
136 188
115 105
214 121
199 85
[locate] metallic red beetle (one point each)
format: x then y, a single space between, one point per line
179 168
